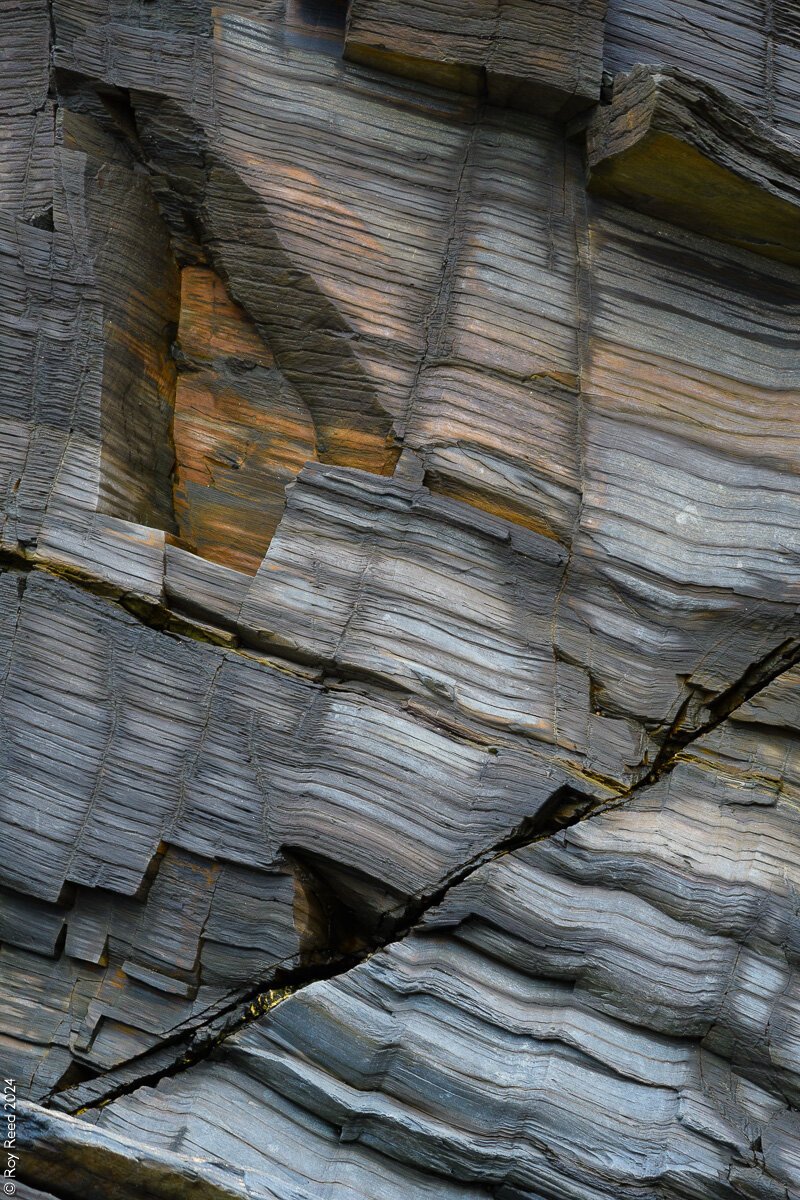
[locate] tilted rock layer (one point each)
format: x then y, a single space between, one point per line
399 584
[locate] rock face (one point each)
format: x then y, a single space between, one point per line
399 584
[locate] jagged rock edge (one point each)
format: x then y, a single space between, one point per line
258 1000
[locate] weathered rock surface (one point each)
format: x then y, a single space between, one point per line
677 148
544 56
399 643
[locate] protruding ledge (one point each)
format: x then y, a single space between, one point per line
546 58
676 148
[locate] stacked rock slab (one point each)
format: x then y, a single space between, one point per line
546 56
399 581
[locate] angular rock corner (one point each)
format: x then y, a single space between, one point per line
400 567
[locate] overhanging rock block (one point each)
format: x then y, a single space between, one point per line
676 148
543 56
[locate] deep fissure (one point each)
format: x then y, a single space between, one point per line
566 807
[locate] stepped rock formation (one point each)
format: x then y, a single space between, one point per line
399 585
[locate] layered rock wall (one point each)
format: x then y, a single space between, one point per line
399 649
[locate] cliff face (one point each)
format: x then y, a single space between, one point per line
400 479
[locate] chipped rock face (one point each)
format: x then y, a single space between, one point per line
399 585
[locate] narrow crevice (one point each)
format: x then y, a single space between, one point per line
356 940
700 715
564 808
173 622
147 612
353 941
177 622
696 717
196 1043
329 674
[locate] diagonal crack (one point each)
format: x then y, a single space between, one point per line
566 807
154 614
698 716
